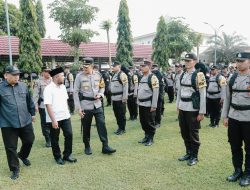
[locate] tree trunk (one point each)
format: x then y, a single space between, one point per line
76 54
198 53
109 50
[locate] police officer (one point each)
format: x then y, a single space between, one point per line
17 111
148 92
88 90
236 112
119 96
40 84
170 81
132 96
106 77
216 92
191 104
69 84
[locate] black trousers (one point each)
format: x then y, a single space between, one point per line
10 138
159 111
171 93
120 114
239 132
45 126
66 127
71 102
214 109
147 120
100 125
108 97
132 107
190 131
162 106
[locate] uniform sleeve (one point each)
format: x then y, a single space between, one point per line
136 85
77 88
155 86
101 87
71 83
124 80
178 94
226 103
36 92
223 84
201 84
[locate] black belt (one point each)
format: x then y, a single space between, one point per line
146 99
235 90
130 91
212 93
186 99
186 85
116 93
87 98
240 107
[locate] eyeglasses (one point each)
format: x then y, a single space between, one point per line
187 60
240 60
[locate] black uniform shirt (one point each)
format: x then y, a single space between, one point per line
16 105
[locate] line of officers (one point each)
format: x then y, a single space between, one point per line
147 91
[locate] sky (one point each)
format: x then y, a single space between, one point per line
144 15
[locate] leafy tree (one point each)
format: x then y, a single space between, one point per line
124 52
160 50
30 58
72 15
180 38
227 45
40 19
106 25
14 16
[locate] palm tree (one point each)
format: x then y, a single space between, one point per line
106 25
227 46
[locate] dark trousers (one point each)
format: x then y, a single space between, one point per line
65 125
71 102
120 114
100 125
214 109
190 131
10 138
132 107
147 120
159 111
171 93
239 132
108 97
162 106
45 126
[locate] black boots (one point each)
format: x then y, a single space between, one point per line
108 150
192 159
48 141
245 180
185 157
144 140
236 175
147 140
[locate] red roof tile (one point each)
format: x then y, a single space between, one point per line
52 47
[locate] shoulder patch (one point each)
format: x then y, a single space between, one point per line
102 83
124 78
135 78
154 82
222 81
201 80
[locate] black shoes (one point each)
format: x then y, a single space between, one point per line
184 158
87 151
192 161
60 161
70 159
15 174
108 150
25 161
149 142
245 180
120 132
235 176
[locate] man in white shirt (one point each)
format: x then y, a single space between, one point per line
58 116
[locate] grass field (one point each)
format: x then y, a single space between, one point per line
133 167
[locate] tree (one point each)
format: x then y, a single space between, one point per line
40 19
180 38
72 15
30 58
106 25
14 16
160 50
124 52
227 45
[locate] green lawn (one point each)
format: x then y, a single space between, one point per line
134 166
